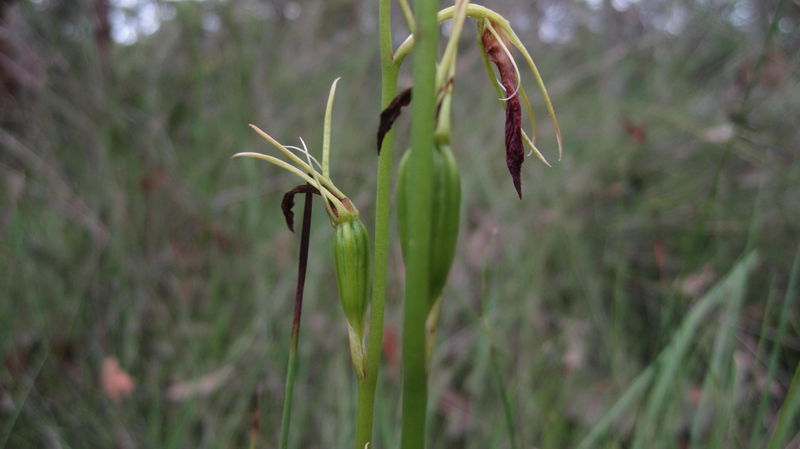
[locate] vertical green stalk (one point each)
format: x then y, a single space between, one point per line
366 387
298 308
415 390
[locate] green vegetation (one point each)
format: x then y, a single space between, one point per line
643 293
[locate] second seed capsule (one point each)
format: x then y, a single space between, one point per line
445 207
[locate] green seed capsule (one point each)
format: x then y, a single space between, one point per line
445 206
351 258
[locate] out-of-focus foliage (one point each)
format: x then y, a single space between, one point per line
128 235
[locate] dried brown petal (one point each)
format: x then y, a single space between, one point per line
391 113
515 152
288 202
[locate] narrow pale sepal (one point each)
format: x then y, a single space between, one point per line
431 324
358 353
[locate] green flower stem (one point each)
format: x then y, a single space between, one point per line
423 110
366 387
298 308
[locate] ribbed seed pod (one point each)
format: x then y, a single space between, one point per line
445 206
351 258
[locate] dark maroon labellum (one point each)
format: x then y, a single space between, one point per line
515 152
288 202
391 113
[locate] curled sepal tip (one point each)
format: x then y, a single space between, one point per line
287 203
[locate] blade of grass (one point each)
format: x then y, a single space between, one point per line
787 414
758 421
494 356
638 386
668 366
792 402
716 378
662 372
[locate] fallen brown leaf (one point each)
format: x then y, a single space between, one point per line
116 383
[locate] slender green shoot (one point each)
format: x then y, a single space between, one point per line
365 408
415 389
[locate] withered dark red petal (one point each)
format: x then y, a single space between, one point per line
391 113
515 152
288 202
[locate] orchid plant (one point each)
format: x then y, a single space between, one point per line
428 199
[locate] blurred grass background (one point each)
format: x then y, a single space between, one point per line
128 233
